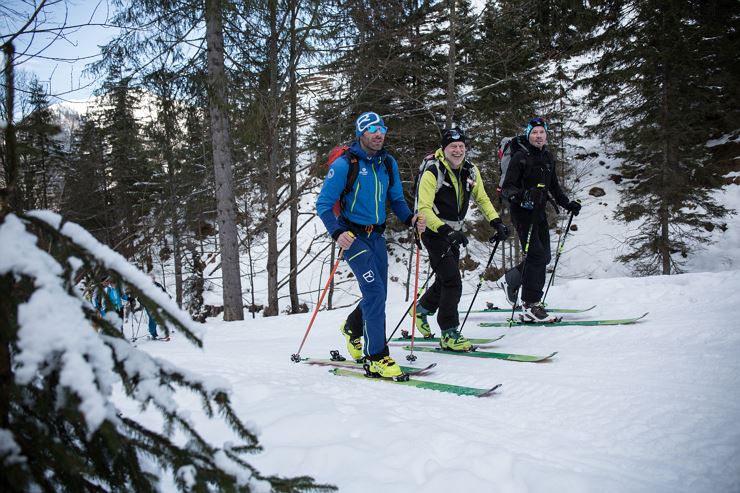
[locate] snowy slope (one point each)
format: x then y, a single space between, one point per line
651 407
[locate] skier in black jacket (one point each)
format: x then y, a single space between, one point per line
530 178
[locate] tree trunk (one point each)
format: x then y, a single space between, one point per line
7 204
169 131
664 193
272 308
225 206
293 281
450 113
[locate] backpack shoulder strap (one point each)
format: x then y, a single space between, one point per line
471 170
432 161
352 172
388 162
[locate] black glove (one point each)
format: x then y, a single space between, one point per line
534 198
502 232
574 207
453 236
457 238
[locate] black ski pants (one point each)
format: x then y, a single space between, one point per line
537 257
444 294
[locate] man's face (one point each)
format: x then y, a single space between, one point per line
538 137
455 153
372 141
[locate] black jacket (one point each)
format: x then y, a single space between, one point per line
527 170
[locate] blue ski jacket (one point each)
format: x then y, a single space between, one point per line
365 203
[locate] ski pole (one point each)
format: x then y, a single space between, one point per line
480 279
423 288
297 356
411 357
535 210
557 256
524 269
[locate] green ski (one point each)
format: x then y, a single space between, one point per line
495 309
564 323
526 358
437 340
411 370
422 384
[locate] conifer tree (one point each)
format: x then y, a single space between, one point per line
126 169
41 152
85 196
62 429
662 96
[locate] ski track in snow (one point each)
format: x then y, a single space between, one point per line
650 407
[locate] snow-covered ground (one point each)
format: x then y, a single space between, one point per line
651 407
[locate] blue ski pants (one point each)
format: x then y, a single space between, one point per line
368 259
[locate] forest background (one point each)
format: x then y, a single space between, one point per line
199 157
212 120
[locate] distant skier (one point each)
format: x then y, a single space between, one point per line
359 232
446 185
114 296
152 321
530 179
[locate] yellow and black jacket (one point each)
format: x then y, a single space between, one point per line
448 203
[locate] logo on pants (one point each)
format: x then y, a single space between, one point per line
368 276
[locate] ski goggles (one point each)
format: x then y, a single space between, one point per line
456 135
537 122
374 128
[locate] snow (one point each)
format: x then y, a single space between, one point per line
649 407
53 321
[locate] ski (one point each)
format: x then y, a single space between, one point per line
437 339
139 340
564 323
491 308
411 370
422 384
526 358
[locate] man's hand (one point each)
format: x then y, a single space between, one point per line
574 207
345 240
502 232
536 196
457 238
420 222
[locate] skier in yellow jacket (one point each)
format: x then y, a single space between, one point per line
445 187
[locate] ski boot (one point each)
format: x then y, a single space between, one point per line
452 340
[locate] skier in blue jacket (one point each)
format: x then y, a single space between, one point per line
115 297
358 230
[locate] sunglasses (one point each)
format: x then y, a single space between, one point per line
374 128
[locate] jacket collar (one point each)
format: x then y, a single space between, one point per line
439 155
358 151
535 150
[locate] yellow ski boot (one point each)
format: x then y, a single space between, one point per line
354 344
386 368
452 340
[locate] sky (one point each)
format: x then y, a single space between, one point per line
61 64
